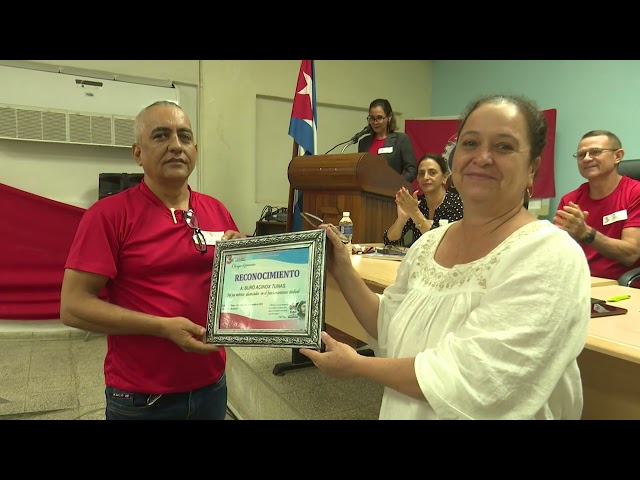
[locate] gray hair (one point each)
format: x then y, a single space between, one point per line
138 124
613 138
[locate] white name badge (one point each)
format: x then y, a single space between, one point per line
211 238
385 150
614 217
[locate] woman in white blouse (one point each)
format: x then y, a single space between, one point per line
477 324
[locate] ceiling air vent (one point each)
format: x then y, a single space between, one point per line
123 131
54 126
29 124
8 123
62 126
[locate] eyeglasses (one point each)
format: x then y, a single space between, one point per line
593 152
316 221
372 119
192 222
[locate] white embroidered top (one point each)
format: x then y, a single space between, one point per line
496 338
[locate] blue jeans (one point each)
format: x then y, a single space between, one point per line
206 403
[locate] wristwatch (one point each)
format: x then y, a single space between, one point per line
589 237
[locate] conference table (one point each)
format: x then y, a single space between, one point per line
609 363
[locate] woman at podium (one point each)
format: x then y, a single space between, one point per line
383 139
434 207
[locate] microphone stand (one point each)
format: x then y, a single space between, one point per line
341 143
351 142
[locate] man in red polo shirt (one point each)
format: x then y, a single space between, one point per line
150 248
603 214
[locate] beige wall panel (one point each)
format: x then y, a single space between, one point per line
245 111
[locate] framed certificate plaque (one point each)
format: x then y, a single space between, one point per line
268 291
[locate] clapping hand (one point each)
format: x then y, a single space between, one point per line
573 220
407 203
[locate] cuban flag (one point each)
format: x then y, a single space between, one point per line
302 127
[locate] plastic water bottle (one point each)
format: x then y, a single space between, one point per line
346 225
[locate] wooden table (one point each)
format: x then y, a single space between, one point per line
601 282
376 273
618 335
610 361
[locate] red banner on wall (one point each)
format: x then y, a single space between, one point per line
35 237
439 136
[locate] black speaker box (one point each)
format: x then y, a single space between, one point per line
110 183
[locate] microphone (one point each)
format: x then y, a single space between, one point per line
360 134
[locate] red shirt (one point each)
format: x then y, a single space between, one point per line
625 197
153 267
377 144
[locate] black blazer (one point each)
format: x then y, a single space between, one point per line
402 159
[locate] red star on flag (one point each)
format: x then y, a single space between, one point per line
303 107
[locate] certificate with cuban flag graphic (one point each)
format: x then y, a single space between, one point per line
268 291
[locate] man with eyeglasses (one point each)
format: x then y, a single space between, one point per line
139 270
603 214
385 140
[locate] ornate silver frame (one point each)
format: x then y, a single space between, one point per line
247 260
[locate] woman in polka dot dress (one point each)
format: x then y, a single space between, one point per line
420 213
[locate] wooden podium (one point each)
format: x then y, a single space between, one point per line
360 183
